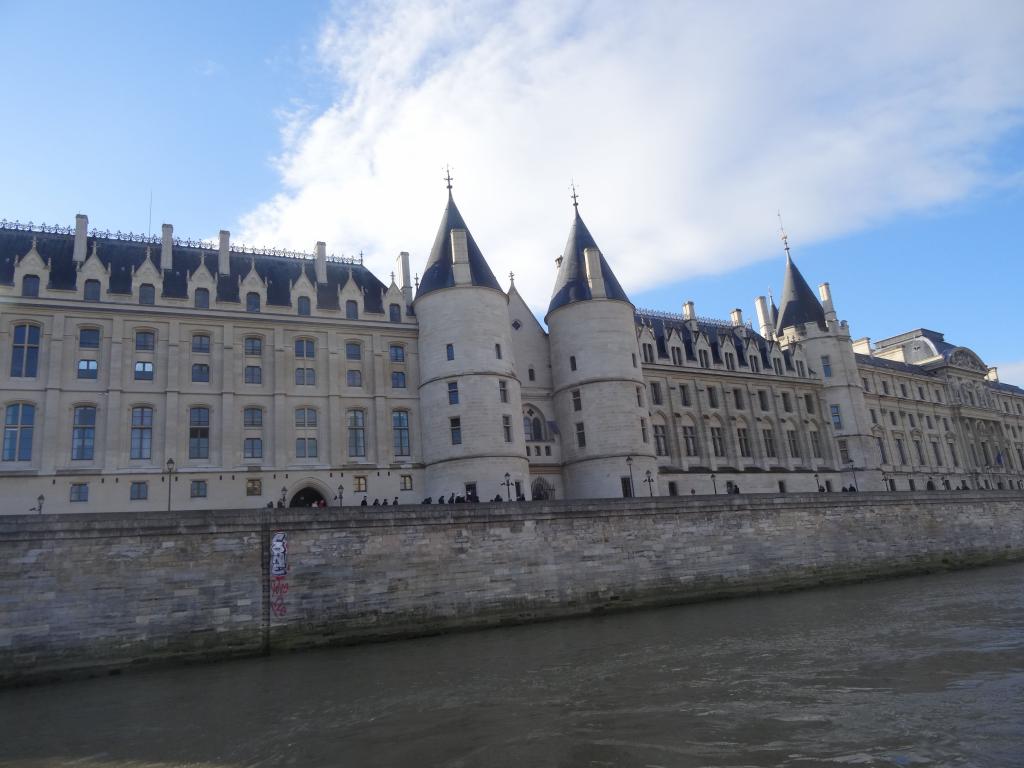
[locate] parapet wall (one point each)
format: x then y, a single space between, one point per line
91 593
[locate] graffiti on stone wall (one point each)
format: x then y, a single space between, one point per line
278 573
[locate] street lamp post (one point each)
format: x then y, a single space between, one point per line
508 486
341 495
629 463
284 495
853 469
650 484
817 485
39 500
714 485
170 477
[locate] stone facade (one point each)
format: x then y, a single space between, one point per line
87 593
287 378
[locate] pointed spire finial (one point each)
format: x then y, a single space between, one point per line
785 237
392 276
416 280
574 196
512 278
448 177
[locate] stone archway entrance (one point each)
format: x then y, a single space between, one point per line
306 497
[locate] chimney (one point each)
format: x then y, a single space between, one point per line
166 244
223 257
688 311
81 234
764 318
737 317
825 292
460 257
406 282
592 258
321 262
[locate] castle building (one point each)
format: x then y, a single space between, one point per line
149 373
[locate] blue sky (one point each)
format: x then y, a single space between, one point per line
889 135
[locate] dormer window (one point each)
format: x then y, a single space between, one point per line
395 313
304 306
202 298
252 302
92 290
30 285
147 294
351 310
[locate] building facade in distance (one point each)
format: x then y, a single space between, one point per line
154 373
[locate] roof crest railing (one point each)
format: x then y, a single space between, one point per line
182 242
699 318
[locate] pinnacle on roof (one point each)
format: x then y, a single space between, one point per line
572 285
439 272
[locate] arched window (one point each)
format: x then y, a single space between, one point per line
19 422
395 313
304 307
305 348
147 294
92 290
202 298
252 302
538 429
25 352
30 285
351 310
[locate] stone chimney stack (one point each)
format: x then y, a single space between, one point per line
223 254
406 282
592 258
825 292
81 235
460 257
764 318
688 311
736 316
166 245
321 262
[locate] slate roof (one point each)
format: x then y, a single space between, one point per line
891 365
799 304
439 272
123 257
571 284
715 332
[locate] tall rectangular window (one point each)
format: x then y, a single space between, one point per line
19 424
351 310
83 433
762 399
400 432
581 435
769 443
456 429
844 452
147 294
837 418
901 451
643 429
506 428
794 444
92 290
497 351
684 394
826 366
577 400
787 402
305 349
882 453
937 452
743 438
453 393
449 351
712 397
25 353
816 444
809 403
142 433
356 433
737 395
656 393
690 441
503 391
202 298
717 442
660 440
199 433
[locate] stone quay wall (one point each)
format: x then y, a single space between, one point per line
95 593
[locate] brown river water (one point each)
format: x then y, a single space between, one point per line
924 671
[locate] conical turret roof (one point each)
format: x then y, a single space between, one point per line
439 272
571 284
799 304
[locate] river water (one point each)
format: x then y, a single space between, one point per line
925 671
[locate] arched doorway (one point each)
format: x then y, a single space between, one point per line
306 497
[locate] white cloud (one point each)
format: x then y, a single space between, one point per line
685 125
